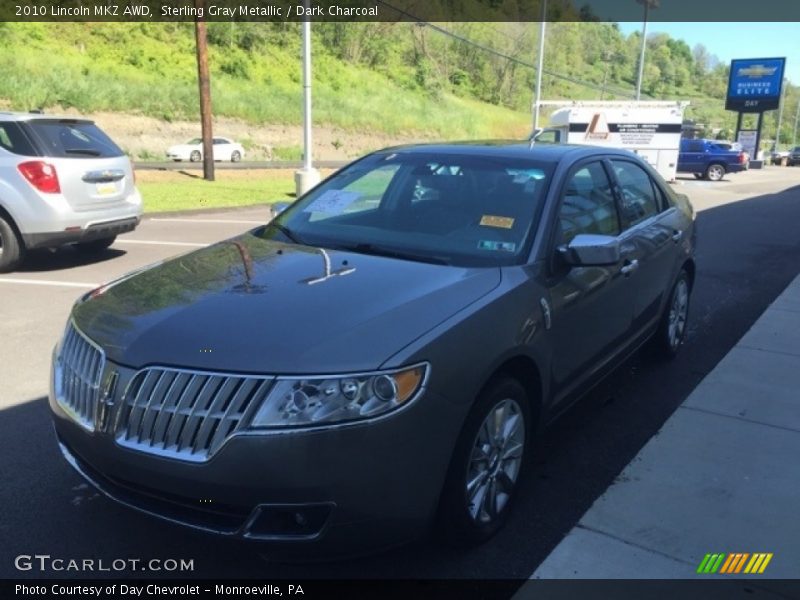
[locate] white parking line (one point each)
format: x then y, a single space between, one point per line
235 221
79 284
158 243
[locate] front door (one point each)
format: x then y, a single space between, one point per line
591 306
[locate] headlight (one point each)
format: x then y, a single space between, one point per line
319 401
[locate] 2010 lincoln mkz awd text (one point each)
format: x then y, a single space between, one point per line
377 358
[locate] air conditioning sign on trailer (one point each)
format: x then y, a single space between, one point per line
650 129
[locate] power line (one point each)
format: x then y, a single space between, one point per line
513 59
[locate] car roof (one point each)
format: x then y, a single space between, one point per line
541 151
36 116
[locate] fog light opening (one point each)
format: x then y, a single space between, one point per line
290 521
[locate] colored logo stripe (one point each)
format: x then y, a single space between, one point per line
735 562
710 563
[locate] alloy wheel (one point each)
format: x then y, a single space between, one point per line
715 172
495 461
678 313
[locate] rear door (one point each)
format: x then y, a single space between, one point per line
92 170
652 230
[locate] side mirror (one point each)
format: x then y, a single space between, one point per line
589 249
279 207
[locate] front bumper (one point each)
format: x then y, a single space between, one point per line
331 492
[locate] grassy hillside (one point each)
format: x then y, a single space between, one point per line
398 79
150 68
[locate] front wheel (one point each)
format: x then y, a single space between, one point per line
672 328
95 245
195 156
715 172
236 156
486 465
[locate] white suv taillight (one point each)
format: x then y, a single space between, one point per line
41 175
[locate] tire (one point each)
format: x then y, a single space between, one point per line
671 331
195 156
95 246
461 519
715 172
236 156
12 248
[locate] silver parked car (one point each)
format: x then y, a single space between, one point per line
385 350
62 181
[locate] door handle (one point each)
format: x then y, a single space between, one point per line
629 267
676 236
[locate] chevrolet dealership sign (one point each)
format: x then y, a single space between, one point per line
755 84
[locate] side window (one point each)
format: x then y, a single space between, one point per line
639 200
695 146
549 136
14 140
588 204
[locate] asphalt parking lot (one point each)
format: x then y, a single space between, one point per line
749 250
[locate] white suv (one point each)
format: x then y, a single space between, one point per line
62 181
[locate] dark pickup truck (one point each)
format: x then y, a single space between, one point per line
710 159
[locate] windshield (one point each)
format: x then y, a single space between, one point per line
194 141
455 209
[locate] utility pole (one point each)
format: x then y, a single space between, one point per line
204 83
307 177
648 4
539 68
607 56
782 101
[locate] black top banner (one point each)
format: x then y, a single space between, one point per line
398 10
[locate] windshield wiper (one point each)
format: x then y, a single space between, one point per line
390 253
82 151
288 233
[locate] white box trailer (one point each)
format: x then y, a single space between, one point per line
651 129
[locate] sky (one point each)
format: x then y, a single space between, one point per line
735 40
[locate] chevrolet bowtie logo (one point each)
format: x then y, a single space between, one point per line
756 71
106 403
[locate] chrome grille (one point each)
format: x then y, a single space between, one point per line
80 364
186 414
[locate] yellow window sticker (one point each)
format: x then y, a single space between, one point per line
495 221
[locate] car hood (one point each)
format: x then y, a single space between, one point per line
255 305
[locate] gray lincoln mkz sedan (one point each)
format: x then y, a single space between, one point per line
378 357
